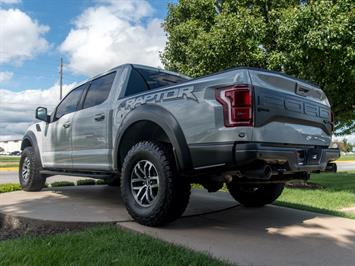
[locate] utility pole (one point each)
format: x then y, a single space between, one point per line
61 79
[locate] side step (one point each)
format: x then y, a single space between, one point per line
98 175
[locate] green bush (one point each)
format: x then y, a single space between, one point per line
62 184
101 182
9 187
85 182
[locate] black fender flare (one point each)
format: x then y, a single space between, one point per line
31 137
165 120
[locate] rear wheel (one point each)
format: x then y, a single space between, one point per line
255 195
151 189
29 171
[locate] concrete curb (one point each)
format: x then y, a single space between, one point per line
14 227
10 222
9 169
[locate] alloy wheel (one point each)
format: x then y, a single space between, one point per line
144 183
26 167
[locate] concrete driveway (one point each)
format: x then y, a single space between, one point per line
213 223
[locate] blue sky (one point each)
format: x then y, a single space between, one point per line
91 35
41 71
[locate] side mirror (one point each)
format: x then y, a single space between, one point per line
41 114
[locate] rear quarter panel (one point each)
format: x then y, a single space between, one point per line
202 119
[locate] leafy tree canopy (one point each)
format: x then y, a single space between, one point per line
312 40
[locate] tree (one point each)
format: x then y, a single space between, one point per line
344 145
204 37
316 42
313 40
1 149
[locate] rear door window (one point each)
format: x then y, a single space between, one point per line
99 90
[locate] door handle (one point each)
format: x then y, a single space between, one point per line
99 117
66 125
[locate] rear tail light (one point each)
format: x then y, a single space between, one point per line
237 102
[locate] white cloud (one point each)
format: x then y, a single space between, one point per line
349 138
5 76
112 33
21 36
17 109
10 1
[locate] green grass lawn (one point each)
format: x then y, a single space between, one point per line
338 192
9 158
106 245
350 157
9 161
9 165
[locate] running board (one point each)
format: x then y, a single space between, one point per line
97 175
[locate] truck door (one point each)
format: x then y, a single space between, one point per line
91 147
57 138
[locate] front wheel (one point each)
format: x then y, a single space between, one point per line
153 192
255 195
29 171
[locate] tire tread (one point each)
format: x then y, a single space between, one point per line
265 194
178 189
36 181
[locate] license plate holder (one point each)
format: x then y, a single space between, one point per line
313 156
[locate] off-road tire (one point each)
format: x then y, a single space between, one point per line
34 181
174 191
255 195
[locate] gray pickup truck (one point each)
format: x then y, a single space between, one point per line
154 132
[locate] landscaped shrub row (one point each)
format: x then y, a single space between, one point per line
9 187
62 184
81 182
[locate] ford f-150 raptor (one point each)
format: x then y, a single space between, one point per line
154 132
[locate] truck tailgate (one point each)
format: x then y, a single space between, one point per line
289 110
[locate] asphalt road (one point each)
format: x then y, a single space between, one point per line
346 166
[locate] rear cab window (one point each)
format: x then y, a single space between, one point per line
143 79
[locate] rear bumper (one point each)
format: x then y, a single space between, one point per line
310 160
241 154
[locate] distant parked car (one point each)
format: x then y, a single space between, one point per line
15 153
